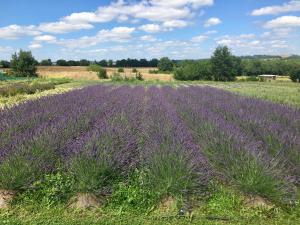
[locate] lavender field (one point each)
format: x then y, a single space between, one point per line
183 139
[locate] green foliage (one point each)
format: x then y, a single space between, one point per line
193 70
46 62
139 76
101 72
25 88
134 70
223 202
19 171
4 64
135 195
117 77
49 191
121 70
59 81
295 74
23 64
171 175
223 64
94 68
91 174
165 64
250 78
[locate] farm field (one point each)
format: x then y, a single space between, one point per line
81 72
150 152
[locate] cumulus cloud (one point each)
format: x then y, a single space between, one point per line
63 27
212 22
199 38
148 38
117 34
283 22
35 46
175 24
292 6
46 38
151 28
16 31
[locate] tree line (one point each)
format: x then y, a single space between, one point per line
83 62
222 66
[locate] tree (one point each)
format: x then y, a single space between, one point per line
193 70
295 74
46 62
84 62
222 63
165 64
62 62
4 64
23 64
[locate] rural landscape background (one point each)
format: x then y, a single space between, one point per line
150 112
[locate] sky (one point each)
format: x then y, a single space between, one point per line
179 29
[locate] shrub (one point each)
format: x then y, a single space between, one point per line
120 70
25 88
23 64
165 64
134 70
153 71
191 70
46 62
102 74
94 68
117 77
295 74
139 76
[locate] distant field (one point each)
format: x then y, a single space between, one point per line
81 72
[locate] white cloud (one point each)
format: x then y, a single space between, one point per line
151 28
16 31
292 6
148 38
211 32
117 34
35 46
283 22
212 22
63 27
46 38
199 38
175 23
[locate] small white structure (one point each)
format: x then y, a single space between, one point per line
266 77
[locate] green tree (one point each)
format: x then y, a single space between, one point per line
23 64
223 65
165 64
295 74
193 70
46 62
4 64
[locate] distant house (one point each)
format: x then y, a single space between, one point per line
266 77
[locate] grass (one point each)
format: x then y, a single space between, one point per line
225 206
283 92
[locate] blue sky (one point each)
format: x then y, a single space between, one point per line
179 29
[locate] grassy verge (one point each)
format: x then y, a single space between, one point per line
60 86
